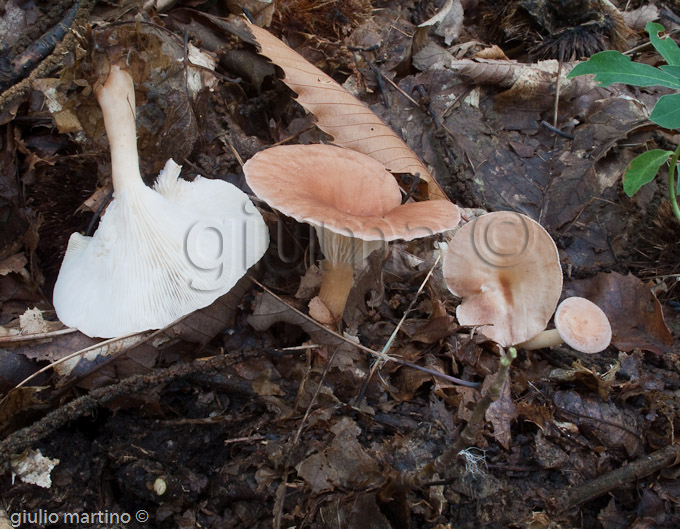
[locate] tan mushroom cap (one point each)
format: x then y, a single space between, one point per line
343 191
583 325
506 268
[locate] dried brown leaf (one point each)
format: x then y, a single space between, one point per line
614 427
344 463
638 18
548 454
340 114
448 22
13 264
16 404
501 413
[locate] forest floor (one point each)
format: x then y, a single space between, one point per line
248 413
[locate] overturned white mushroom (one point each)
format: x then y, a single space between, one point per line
159 253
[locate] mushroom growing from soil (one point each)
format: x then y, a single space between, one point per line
580 324
506 269
352 201
159 253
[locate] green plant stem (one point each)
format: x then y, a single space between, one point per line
672 195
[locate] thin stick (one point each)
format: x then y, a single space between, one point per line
36 336
558 87
632 472
360 346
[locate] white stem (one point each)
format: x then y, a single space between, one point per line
117 101
547 338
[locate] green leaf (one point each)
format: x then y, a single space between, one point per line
671 69
667 111
613 67
666 47
643 169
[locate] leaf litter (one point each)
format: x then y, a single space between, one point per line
251 414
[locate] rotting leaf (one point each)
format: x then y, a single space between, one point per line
16 404
614 427
361 512
501 413
633 311
342 115
448 22
344 463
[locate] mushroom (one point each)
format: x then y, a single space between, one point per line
352 201
159 253
506 268
580 323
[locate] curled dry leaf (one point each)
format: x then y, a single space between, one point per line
521 79
340 114
637 18
448 22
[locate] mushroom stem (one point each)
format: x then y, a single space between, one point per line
335 287
117 101
547 338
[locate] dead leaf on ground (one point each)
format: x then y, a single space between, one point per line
616 428
344 463
340 114
637 18
633 311
268 311
501 413
361 512
448 22
16 404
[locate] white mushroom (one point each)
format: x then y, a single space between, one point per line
159 253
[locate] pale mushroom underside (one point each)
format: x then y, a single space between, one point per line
159 254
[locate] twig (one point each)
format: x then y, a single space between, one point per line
35 336
556 130
412 188
360 346
23 438
638 469
53 60
41 48
558 87
379 79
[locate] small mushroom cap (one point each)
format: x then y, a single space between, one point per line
506 268
343 191
583 325
158 254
